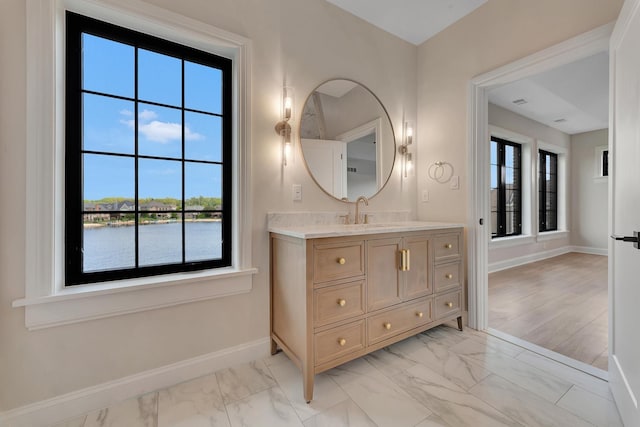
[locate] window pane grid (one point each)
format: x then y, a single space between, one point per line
548 191
146 208
505 199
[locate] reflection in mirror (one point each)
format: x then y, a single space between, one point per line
347 140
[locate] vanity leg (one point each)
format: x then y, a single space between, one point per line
274 347
307 380
459 323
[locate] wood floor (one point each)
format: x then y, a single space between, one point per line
558 303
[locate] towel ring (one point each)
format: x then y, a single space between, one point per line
441 172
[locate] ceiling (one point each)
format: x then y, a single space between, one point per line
412 20
573 98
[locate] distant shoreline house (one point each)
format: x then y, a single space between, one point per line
160 210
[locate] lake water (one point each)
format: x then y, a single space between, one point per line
108 248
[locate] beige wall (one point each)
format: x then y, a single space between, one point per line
302 41
589 195
495 34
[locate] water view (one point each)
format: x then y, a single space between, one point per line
108 248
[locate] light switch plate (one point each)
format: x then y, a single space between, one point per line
297 192
425 196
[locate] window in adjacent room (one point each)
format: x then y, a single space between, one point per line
148 155
506 188
548 191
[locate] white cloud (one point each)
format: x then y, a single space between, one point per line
146 115
159 131
126 113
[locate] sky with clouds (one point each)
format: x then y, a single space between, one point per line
109 123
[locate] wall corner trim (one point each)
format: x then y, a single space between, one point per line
51 411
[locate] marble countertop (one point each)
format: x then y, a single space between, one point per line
338 230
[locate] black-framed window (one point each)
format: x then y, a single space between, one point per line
506 188
547 191
604 163
147 155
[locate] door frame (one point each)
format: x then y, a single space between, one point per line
478 236
623 394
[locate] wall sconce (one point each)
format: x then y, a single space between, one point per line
404 148
283 128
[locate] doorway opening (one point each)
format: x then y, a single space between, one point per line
538 263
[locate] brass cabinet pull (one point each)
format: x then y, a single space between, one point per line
448 246
408 256
387 326
405 259
342 342
420 314
449 276
341 261
342 302
448 304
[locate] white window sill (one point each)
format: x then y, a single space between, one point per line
552 235
96 301
505 242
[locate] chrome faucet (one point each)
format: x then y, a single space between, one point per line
358 200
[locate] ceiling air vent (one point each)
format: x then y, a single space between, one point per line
560 120
519 101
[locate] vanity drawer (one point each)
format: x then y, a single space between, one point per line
338 261
447 246
339 341
338 302
447 276
393 322
448 303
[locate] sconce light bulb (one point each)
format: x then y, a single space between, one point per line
409 135
287 107
287 152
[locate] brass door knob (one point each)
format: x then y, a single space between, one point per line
449 276
387 326
448 246
342 342
342 302
420 314
448 304
342 261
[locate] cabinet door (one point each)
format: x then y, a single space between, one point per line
417 281
383 273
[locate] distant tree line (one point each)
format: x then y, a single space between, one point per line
206 202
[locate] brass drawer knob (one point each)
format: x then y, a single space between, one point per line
448 246
342 302
449 276
448 304
342 261
420 314
387 326
342 342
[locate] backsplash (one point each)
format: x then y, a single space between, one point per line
297 219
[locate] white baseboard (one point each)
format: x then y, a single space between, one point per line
60 408
538 256
588 250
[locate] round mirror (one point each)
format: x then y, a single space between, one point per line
347 140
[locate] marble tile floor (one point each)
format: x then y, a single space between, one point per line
440 378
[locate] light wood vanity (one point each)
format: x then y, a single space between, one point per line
340 293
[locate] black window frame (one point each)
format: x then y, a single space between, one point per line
76 25
543 191
502 190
